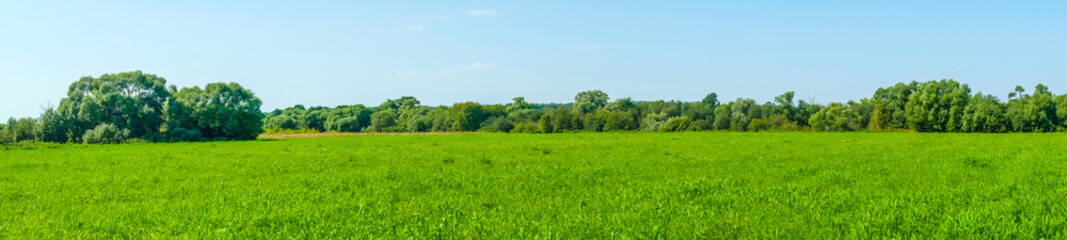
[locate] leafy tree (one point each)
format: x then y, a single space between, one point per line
675 124
560 120
1032 113
937 106
223 111
347 124
804 112
619 121
594 121
865 109
590 101
622 104
348 118
772 123
105 133
889 106
985 114
23 129
130 100
698 111
315 118
519 105
1061 111
722 117
526 115
835 118
711 100
741 112
525 127
53 127
497 124
383 121
785 104
5 136
467 116
654 121
281 122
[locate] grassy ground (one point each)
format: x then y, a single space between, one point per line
531 186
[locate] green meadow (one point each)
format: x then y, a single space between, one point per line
692 185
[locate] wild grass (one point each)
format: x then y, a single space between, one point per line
546 186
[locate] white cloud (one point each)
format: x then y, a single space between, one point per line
596 47
483 13
415 27
401 73
434 17
473 67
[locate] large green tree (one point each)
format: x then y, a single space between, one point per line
889 106
131 101
1032 113
937 106
590 101
984 114
223 111
836 118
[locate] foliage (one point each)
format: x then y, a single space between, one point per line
139 103
675 124
937 106
143 106
1032 113
132 101
223 111
590 101
889 106
984 114
105 133
835 118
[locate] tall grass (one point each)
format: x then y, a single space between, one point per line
546 186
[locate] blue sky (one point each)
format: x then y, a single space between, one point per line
346 52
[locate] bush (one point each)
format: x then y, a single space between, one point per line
348 124
497 124
778 122
526 127
104 134
675 124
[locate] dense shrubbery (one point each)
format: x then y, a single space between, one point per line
105 133
141 105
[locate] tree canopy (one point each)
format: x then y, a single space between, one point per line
134 105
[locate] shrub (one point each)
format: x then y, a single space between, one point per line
348 124
104 134
526 127
497 124
675 124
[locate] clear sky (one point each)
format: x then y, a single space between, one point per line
346 52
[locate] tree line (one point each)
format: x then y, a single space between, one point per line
126 106
133 105
932 106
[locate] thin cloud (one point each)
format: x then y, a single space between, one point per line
473 67
483 13
415 27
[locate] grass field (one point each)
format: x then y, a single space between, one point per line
534 186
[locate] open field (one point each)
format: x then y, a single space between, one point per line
530 186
